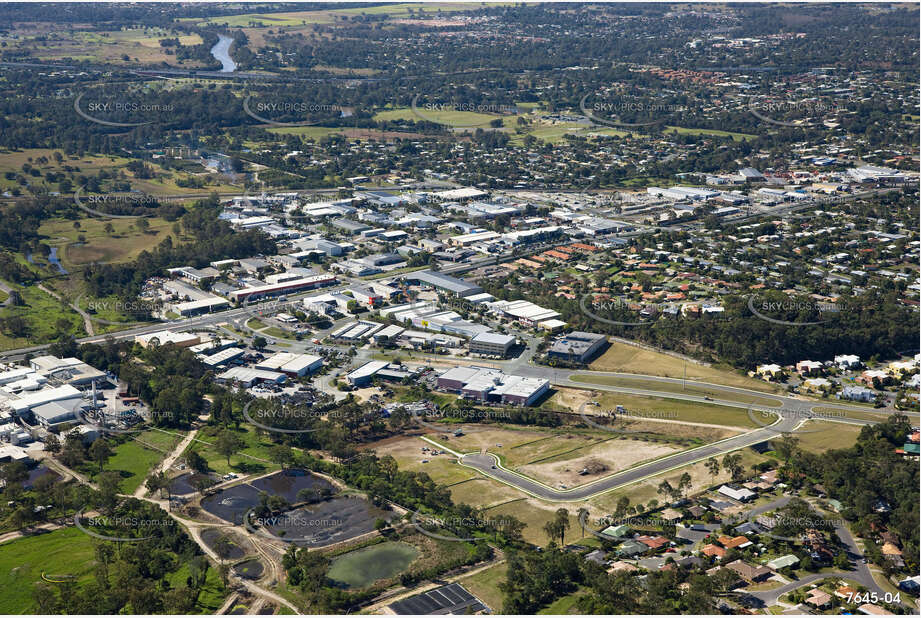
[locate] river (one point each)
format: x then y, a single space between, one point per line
220 51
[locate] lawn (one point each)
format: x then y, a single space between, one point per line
160 439
212 594
563 605
407 451
481 492
485 585
300 18
123 244
656 408
689 131
821 436
43 315
459 119
689 388
363 567
632 359
67 552
253 458
132 461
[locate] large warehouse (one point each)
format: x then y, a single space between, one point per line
492 385
444 283
577 346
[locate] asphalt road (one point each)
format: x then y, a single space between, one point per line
861 573
489 465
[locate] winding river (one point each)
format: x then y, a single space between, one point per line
220 51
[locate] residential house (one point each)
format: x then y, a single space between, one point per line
818 598
809 368
714 551
750 573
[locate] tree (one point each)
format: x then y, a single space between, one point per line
665 488
143 225
228 443
713 467
583 517
109 228
100 452
13 474
562 524
733 463
283 455
787 446
52 444
259 342
195 461
684 484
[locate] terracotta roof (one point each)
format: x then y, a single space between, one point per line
713 550
730 543
655 542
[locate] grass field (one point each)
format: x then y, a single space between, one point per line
45 318
821 436
43 159
485 585
300 18
124 244
632 359
869 415
616 454
22 561
689 388
483 492
563 605
661 408
688 131
253 458
408 455
212 593
535 513
162 440
363 567
132 461
448 117
140 45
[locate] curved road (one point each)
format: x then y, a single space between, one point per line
791 413
488 464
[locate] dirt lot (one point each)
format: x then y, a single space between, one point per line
616 454
644 491
656 414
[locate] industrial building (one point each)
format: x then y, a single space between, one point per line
163 337
289 363
297 285
444 283
246 377
523 311
577 346
71 371
493 386
491 344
